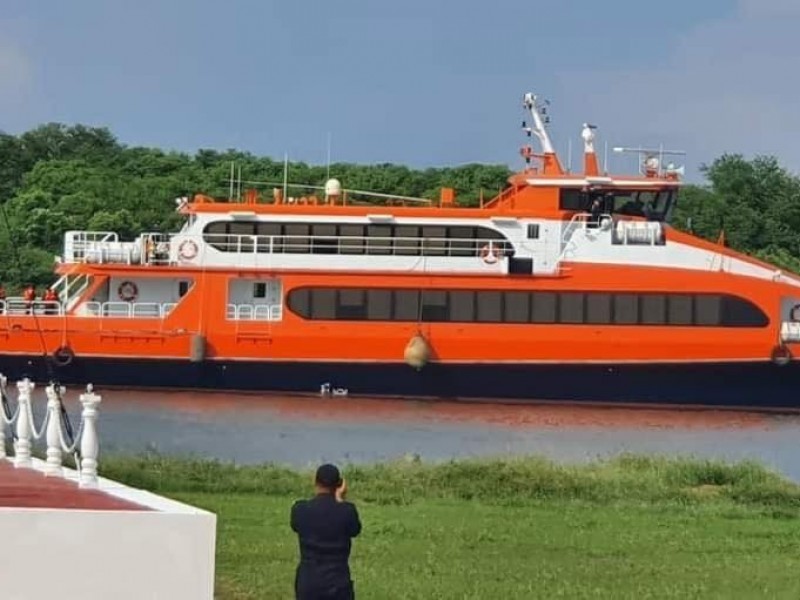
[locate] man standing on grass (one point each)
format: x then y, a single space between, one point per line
325 526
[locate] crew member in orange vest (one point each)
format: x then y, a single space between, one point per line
51 300
29 296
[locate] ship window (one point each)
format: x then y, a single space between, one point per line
434 305
183 287
296 240
737 312
379 305
708 310
461 241
351 305
572 199
495 306
323 303
679 309
654 309
299 302
408 243
570 307
406 305
462 306
434 242
544 306
598 308
517 307
533 231
259 290
269 233
325 240
626 309
490 306
352 239
379 242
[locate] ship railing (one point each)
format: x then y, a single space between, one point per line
55 430
19 306
126 310
84 246
357 245
790 332
255 312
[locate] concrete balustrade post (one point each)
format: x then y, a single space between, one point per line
89 441
22 446
53 466
3 382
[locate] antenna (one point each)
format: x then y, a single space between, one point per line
539 115
328 176
605 159
285 174
239 193
230 190
569 155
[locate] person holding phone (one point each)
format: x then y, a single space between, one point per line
325 526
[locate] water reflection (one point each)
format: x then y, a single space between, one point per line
253 428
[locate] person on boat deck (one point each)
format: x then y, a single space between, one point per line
2 292
51 298
325 526
29 296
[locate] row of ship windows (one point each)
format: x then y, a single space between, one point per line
354 238
490 306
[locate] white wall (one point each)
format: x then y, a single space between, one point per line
163 554
151 289
240 291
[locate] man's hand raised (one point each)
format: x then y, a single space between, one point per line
341 491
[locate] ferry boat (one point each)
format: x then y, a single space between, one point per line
565 287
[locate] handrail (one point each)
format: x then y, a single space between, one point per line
254 312
126 310
20 306
56 425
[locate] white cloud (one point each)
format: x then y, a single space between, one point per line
727 86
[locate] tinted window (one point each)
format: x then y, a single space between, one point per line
462 306
598 308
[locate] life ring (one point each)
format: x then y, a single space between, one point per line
127 291
781 356
187 250
63 356
490 255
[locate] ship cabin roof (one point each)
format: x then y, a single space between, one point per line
542 189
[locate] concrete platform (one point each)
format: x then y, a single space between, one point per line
112 542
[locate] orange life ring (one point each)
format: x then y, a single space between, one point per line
128 291
187 250
490 255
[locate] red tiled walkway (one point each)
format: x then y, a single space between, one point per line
28 488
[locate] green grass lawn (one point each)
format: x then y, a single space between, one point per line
628 528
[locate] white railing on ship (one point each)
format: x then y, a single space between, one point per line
114 252
126 309
255 312
55 428
19 306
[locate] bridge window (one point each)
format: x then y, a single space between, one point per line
539 307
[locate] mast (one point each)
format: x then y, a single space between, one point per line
551 165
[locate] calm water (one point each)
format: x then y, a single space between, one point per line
306 430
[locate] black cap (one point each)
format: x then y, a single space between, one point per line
328 476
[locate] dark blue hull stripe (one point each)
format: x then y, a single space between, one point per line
761 384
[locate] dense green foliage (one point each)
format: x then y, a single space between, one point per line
55 178
631 527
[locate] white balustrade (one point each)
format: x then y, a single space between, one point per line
85 443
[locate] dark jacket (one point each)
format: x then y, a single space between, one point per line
325 528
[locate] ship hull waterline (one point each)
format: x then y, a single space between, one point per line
750 385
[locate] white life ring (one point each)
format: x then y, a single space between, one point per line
128 291
187 250
490 255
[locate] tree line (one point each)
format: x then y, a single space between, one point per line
55 178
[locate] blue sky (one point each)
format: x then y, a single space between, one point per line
418 82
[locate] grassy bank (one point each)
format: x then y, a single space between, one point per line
632 527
